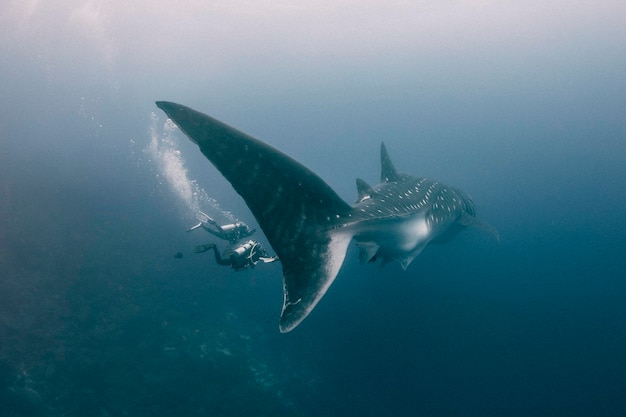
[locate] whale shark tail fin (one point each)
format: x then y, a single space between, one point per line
298 212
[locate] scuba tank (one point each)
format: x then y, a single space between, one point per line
246 249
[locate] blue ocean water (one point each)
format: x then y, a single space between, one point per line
520 106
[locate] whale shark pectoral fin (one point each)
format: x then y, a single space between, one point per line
367 251
298 212
468 220
306 282
406 261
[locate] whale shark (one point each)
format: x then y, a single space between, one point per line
309 226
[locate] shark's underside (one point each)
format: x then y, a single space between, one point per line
309 225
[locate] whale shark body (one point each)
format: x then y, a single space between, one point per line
309 226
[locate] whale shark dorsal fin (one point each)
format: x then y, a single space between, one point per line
364 190
387 170
295 208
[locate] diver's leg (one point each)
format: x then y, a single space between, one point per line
195 227
219 259
203 248
215 233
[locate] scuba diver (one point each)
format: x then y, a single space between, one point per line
240 257
233 233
